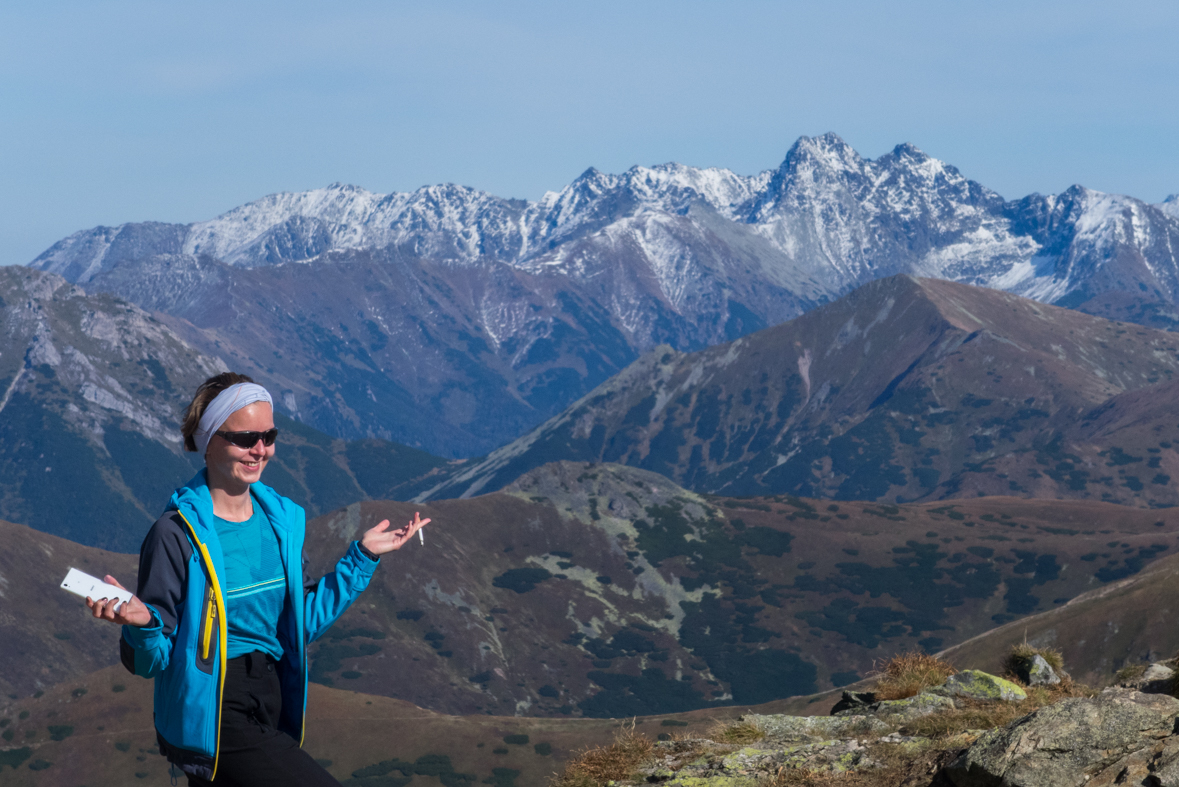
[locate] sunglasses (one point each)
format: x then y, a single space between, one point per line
249 439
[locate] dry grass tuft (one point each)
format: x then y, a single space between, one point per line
1128 673
594 767
906 674
1022 653
899 765
736 732
981 715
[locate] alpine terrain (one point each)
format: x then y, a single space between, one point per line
455 320
92 392
907 389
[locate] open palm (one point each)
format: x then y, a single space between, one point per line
381 539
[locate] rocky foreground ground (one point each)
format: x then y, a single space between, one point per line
972 730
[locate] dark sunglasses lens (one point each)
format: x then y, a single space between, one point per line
250 439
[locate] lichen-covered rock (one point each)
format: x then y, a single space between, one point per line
780 728
1039 672
895 712
1119 737
755 764
836 756
1034 670
979 685
685 780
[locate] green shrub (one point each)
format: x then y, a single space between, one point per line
14 757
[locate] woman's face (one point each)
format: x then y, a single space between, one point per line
232 468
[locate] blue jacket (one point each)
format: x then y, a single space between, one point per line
184 647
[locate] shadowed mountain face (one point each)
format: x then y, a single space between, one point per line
391 347
92 390
906 389
454 320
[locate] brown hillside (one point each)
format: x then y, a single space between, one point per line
604 590
1099 632
96 729
47 633
906 389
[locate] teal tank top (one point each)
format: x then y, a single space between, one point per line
254 584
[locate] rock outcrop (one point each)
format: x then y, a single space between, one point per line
1120 737
1155 678
978 685
853 738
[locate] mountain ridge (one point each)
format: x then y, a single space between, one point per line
977 389
485 316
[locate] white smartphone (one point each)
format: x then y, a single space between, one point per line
86 586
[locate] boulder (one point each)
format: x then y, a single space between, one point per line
1039 672
704 764
853 699
1120 737
1155 679
900 711
1035 670
978 685
787 729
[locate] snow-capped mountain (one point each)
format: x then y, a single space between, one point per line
826 220
666 254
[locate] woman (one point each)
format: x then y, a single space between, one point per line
222 617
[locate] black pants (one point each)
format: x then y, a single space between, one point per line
253 752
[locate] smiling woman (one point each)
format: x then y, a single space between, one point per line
223 615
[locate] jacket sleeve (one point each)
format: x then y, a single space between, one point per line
326 599
163 575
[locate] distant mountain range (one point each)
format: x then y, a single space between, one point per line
92 390
906 389
454 320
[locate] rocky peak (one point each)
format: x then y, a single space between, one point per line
1170 206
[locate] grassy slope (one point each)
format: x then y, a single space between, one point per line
47 634
111 741
765 598
606 591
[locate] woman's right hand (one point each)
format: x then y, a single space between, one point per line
130 613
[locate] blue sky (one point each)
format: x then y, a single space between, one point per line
120 110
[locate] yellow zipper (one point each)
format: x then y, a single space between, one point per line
218 602
210 617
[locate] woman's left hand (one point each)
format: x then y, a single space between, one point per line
380 539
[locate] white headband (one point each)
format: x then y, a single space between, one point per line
225 404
